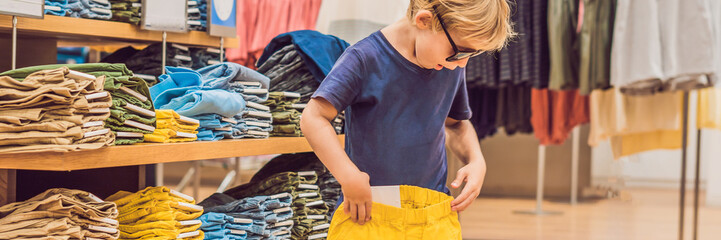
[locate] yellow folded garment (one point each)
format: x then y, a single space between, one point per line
166 136
176 125
167 114
630 144
709 108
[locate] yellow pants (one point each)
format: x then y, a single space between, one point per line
424 215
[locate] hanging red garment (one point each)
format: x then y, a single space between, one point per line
555 113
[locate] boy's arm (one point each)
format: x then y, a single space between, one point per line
316 126
463 142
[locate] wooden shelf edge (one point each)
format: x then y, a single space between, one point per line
141 154
80 28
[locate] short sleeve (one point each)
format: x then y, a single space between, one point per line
342 85
460 109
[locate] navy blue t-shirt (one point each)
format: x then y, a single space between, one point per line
395 113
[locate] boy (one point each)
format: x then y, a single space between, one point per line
403 89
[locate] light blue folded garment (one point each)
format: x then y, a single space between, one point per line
180 90
220 75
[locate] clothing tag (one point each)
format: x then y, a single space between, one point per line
317 236
101 1
258 133
260 114
190 206
257 106
284 232
282 210
93 197
193 10
92 238
137 5
316 217
182 195
307 195
255 91
237 232
139 110
291 94
188 234
53 8
181 47
316 203
298 105
109 221
103 229
134 94
250 84
242 220
388 195
283 223
213 50
189 120
144 76
224 129
280 195
194 22
229 120
96 133
93 124
128 135
139 125
96 95
80 76
185 135
190 222
257 124
338 120
322 226
101 10
306 173
99 110
214 62
307 186
192 3
183 58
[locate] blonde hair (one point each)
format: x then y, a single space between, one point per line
484 23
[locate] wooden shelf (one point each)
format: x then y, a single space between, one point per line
152 153
79 28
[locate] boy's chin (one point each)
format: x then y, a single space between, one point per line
438 67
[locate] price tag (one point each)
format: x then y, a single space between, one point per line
165 15
23 8
221 18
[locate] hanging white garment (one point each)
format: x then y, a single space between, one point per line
353 20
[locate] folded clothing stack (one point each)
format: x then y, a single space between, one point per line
203 57
126 11
60 213
171 127
185 91
259 217
288 73
310 220
286 117
93 9
132 113
56 7
53 110
198 15
149 61
157 212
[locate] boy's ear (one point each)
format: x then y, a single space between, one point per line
423 19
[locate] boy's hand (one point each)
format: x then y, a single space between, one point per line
473 174
357 197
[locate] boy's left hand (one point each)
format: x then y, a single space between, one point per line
473 175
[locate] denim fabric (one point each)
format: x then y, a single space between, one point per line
254 98
79 5
319 51
201 57
63 5
220 75
287 72
90 13
178 91
211 121
205 134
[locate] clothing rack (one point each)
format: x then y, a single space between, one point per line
682 192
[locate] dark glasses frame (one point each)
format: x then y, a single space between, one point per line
458 54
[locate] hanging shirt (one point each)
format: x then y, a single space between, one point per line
395 113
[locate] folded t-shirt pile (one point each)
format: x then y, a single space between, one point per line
93 9
148 63
310 219
53 110
126 11
203 57
157 213
259 217
56 7
286 117
198 15
60 213
185 91
171 127
131 114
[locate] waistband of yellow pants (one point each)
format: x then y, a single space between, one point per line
418 206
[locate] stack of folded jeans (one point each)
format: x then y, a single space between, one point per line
60 213
93 9
132 112
53 110
56 7
198 15
126 11
157 212
185 91
149 61
310 218
286 118
171 127
288 73
260 217
203 57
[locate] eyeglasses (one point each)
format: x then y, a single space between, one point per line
458 54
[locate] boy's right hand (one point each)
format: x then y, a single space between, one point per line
357 197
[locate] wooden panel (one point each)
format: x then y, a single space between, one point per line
153 153
78 28
30 52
